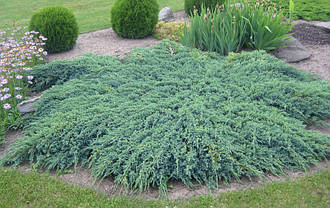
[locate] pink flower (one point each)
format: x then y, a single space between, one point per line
45 53
6 96
18 97
19 76
5 89
27 68
18 88
6 106
30 77
5 81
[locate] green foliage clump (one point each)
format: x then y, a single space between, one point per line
134 18
58 24
60 71
249 26
191 5
169 30
306 9
171 112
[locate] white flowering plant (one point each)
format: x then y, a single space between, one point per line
20 50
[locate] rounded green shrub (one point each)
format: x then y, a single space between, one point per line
58 24
189 5
134 18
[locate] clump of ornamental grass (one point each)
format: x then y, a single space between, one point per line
175 113
19 51
233 27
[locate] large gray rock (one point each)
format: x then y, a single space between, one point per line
292 51
27 106
166 15
324 26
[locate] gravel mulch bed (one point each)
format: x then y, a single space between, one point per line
310 34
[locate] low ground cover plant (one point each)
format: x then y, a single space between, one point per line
175 113
19 51
59 71
58 24
249 25
134 18
306 9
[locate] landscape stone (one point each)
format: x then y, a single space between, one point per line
166 15
292 51
324 26
27 106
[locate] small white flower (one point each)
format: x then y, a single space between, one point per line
19 76
19 97
5 89
6 106
5 81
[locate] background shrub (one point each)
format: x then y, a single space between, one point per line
189 5
172 112
134 18
169 30
58 24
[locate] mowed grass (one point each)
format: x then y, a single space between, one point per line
41 190
91 14
95 14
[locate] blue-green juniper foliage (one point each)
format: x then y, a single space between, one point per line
175 113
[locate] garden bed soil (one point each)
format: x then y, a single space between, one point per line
318 42
108 43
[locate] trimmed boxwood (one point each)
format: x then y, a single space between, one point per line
134 18
58 24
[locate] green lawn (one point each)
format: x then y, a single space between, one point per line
307 9
91 14
95 14
41 190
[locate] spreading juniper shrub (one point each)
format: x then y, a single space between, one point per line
59 71
172 112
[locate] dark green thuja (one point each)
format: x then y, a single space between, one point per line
134 18
58 24
175 113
